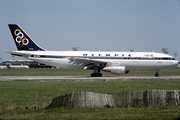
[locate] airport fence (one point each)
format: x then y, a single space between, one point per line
123 99
83 100
148 98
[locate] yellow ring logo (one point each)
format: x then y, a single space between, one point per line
20 38
16 32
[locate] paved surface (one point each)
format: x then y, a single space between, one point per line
84 78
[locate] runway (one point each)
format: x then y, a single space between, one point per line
84 78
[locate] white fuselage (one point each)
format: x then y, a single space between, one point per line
130 60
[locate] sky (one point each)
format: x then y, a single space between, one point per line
93 25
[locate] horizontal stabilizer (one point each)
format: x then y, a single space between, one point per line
17 53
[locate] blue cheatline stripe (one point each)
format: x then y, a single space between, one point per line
105 57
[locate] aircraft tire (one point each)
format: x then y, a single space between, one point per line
157 74
92 75
96 74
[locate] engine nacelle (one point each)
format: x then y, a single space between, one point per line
120 70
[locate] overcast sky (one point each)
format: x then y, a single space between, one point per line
106 25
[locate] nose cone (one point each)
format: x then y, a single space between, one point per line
176 62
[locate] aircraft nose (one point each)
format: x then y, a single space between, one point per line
176 62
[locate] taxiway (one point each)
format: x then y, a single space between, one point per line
85 78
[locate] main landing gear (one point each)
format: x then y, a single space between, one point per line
157 74
96 72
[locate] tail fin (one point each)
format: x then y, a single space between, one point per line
22 40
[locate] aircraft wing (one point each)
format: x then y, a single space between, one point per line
87 62
16 53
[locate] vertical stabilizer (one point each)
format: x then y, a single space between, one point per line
22 40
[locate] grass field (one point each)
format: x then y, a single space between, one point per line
16 96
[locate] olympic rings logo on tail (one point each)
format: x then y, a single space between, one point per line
20 38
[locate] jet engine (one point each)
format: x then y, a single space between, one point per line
120 70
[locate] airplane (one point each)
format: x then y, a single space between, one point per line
3 67
115 62
10 66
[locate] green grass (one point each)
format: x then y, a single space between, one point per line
17 95
162 113
68 72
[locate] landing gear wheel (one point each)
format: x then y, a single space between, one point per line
92 75
96 74
100 74
157 74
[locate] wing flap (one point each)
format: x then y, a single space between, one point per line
86 61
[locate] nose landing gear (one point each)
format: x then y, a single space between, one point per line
157 74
